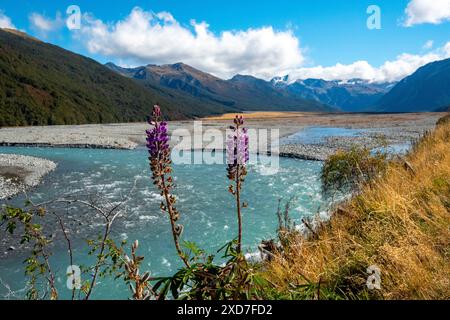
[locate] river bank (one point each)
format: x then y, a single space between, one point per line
18 173
393 128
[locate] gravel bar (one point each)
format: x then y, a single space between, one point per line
19 173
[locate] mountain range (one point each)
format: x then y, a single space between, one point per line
44 84
426 90
351 95
241 92
249 93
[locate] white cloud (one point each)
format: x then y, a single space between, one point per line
427 11
5 21
428 45
45 25
404 65
145 37
446 50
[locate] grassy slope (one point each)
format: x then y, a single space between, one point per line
400 223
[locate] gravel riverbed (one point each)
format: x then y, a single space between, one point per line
18 173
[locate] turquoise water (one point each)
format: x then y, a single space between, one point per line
206 207
397 148
317 135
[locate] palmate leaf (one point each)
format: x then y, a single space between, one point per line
192 246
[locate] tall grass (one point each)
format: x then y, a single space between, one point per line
399 222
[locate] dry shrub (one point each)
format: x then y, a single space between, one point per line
346 170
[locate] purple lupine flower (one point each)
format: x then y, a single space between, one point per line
242 147
237 146
237 158
158 149
157 139
160 164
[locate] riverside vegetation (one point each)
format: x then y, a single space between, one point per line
398 219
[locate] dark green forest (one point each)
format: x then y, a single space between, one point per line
42 84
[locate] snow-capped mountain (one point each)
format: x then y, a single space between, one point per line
348 95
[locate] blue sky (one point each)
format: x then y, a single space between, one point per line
323 32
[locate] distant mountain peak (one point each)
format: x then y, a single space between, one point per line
354 81
315 82
280 81
350 95
242 76
427 89
180 65
246 78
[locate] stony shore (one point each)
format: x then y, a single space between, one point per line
396 139
80 136
18 173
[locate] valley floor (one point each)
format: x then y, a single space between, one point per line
396 128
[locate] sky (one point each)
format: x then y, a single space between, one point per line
377 40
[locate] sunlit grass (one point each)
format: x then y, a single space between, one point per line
400 222
262 115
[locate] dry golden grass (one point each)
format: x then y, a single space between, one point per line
400 223
262 115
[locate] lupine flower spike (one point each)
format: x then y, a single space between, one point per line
160 164
237 158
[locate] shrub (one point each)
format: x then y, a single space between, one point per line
346 171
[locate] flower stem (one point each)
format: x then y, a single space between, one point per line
238 206
172 222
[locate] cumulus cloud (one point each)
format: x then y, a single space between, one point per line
394 70
427 11
146 37
5 21
428 45
44 25
446 50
